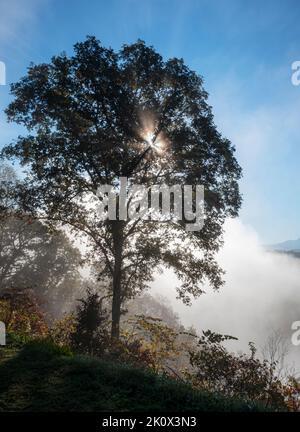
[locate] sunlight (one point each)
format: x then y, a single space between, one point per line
155 143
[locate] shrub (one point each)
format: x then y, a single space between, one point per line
239 376
291 393
20 312
149 341
90 334
62 330
44 349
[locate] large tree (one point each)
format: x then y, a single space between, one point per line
99 115
32 257
47 263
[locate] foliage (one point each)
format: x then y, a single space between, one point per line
44 348
291 392
156 342
151 344
8 181
235 375
62 330
43 378
90 334
148 316
132 352
47 262
89 117
21 314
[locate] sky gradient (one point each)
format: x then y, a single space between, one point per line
243 50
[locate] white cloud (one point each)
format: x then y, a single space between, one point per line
262 291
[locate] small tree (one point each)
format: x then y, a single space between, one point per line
90 335
100 115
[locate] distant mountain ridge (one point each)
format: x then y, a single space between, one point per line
286 246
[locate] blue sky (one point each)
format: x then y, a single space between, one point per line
243 49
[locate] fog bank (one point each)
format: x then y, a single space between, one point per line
261 293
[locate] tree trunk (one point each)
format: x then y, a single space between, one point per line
116 301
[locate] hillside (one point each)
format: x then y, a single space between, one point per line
286 246
42 377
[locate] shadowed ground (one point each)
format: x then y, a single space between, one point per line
43 377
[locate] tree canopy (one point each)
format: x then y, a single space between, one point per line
98 115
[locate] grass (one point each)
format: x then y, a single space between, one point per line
43 377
